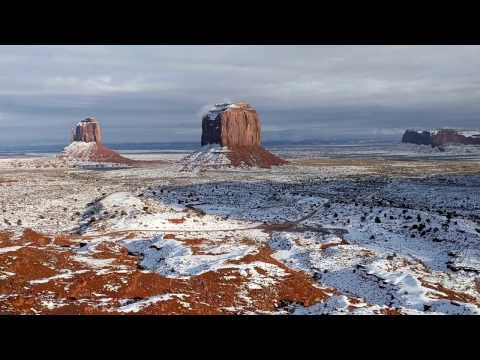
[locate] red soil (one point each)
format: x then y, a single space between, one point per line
296 287
176 221
390 311
449 294
104 154
253 156
80 293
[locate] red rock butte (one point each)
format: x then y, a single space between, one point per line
87 130
442 137
237 127
87 146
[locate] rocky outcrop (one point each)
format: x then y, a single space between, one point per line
87 130
87 146
417 137
448 136
231 125
441 137
237 129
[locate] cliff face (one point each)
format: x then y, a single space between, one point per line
87 130
231 125
441 137
417 137
453 137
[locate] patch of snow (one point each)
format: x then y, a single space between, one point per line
51 304
172 258
409 287
92 262
210 156
67 274
9 249
136 306
6 274
80 150
469 133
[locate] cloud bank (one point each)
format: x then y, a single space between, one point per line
157 93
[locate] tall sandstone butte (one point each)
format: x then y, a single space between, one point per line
231 125
87 130
237 127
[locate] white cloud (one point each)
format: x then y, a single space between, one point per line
98 85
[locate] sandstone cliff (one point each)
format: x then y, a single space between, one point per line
417 137
231 125
237 128
448 136
87 130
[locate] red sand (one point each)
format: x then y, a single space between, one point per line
253 156
209 293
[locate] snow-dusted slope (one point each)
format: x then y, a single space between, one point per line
80 151
316 239
208 157
216 157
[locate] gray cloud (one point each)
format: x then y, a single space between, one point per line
157 93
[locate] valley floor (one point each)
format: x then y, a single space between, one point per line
317 236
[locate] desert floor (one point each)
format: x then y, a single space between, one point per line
318 236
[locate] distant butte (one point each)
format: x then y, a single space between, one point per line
441 137
87 146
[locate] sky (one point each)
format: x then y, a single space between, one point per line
302 93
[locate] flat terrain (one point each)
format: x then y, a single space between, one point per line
318 236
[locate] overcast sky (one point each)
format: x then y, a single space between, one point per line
157 93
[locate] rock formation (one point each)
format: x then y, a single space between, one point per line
441 137
231 125
236 128
448 136
87 130
87 145
417 137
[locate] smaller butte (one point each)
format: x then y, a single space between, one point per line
86 146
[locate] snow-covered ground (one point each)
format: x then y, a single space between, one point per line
317 236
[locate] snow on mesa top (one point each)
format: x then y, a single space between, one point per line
235 129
